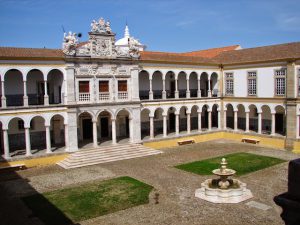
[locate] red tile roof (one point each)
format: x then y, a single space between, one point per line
288 51
212 52
34 53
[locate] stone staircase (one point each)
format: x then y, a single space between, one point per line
93 156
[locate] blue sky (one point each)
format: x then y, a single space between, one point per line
175 26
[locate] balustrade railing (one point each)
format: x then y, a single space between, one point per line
104 96
84 97
122 95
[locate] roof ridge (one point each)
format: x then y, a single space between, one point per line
288 43
212 48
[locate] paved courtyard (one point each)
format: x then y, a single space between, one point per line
177 204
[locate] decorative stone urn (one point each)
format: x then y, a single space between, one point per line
224 189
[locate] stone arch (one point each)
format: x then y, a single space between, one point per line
266 119
193 83
158 121
194 117
16 136
171 123
37 133
204 84
57 131
157 84
145 122
183 118
85 128
280 120
104 126
214 84
241 117
204 116
14 87
55 81
182 84
36 87
215 116
253 117
170 84
144 84
229 116
123 124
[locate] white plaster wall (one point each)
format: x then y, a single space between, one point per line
265 81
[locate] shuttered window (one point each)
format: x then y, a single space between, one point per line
103 86
84 86
122 85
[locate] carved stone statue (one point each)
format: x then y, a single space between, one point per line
70 43
134 48
101 26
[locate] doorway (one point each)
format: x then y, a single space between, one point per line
104 127
87 128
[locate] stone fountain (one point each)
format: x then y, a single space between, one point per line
224 189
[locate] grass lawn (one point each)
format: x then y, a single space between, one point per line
242 162
88 200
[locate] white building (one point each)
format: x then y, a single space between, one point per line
104 92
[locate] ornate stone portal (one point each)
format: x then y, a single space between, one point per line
101 43
224 189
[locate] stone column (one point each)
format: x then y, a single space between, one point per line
66 138
219 119
188 121
25 96
209 120
113 131
199 121
48 140
273 124
27 141
247 121
235 115
151 127
165 126
209 91
177 123
3 98
72 130
66 91
259 122
131 130
150 90
164 93
225 119
6 144
46 97
70 78
95 134
199 89
176 88
188 93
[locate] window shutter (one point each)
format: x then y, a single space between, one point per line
84 86
103 86
122 85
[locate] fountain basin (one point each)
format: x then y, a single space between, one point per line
218 195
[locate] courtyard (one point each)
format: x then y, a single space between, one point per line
176 188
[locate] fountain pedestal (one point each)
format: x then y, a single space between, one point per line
224 189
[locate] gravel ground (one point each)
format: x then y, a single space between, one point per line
176 188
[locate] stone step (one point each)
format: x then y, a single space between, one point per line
103 156
93 156
113 152
67 165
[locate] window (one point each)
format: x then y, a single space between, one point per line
122 85
229 84
280 82
84 86
20 124
252 83
103 86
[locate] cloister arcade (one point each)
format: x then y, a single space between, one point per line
164 121
30 134
259 118
104 127
32 86
163 84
